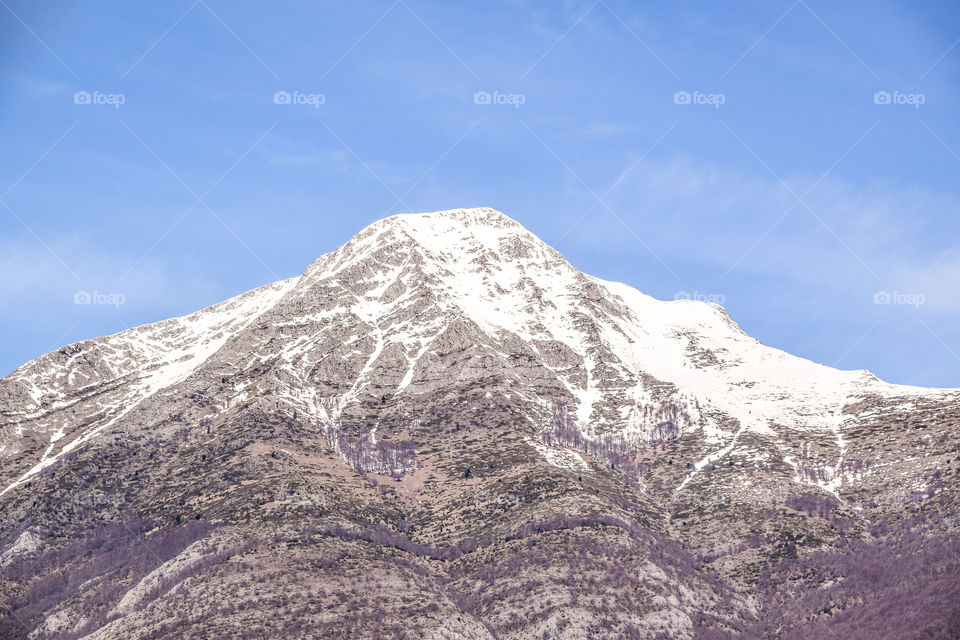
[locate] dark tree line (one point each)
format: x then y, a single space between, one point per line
823 507
118 553
619 452
366 456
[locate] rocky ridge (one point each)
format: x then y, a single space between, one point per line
443 427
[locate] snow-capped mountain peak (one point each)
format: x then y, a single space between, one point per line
415 302
430 415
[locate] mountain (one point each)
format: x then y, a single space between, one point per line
443 429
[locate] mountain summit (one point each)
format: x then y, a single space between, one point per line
443 427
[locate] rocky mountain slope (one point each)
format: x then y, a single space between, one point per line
443 429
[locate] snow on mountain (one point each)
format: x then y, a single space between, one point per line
100 381
431 415
387 300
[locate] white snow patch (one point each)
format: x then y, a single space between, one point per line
164 361
561 458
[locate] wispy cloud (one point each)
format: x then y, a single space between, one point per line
717 212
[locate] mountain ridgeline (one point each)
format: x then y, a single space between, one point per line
444 430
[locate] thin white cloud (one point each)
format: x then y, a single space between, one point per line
699 212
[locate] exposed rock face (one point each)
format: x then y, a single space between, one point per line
443 429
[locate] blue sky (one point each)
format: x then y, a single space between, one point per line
784 186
